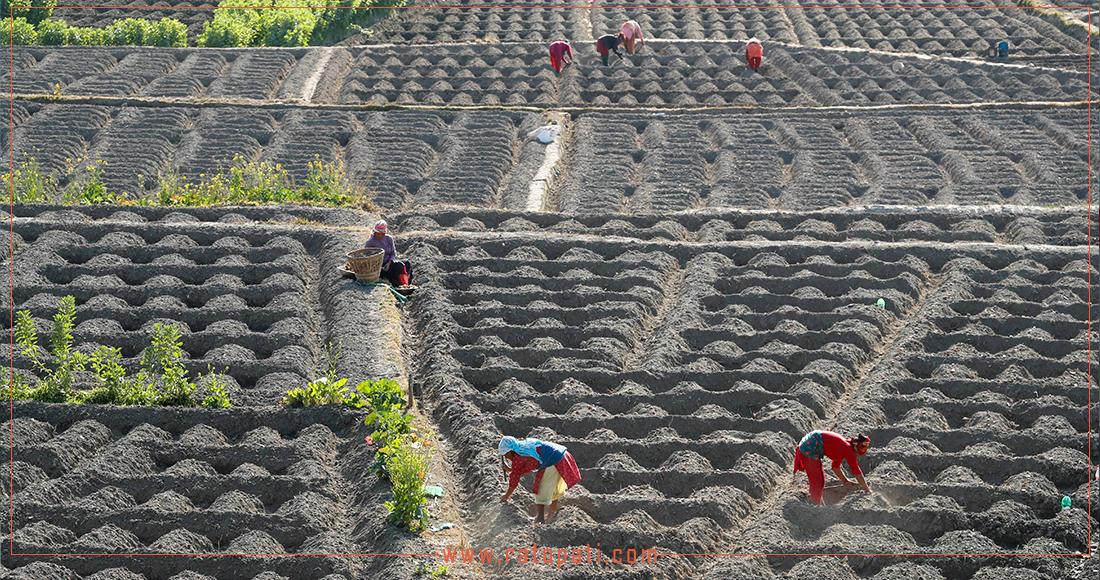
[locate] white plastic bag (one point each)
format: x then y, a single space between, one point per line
545 134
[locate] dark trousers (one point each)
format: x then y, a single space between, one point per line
397 267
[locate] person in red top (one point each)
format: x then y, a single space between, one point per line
557 471
816 446
559 51
754 53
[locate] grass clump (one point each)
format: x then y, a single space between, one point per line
161 381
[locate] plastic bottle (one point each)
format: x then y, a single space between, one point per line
1066 503
881 303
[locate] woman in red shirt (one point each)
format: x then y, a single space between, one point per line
818 445
557 471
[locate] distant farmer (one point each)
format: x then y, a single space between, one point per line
561 55
398 272
607 43
816 446
632 32
557 471
754 53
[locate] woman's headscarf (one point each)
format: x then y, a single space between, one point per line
525 447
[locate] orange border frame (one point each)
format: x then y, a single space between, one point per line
1088 216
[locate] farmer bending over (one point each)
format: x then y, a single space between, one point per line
818 445
557 471
561 55
606 43
754 53
631 32
398 272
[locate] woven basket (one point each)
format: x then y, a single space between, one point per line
366 263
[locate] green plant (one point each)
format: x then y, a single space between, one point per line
56 384
129 32
18 31
318 392
406 464
14 386
383 395
327 184
34 11
87 187
56 32
168 32
216 397
424 568
30 182
162 369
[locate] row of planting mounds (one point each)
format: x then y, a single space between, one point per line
1005 224
566 339
689 75
699 20
930 27
153 72
978 421
651 163
422 23
463 157
540 337
254 304
284 214
117 485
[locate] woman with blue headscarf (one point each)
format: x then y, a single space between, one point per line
557 471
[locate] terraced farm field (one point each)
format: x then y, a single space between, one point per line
678 288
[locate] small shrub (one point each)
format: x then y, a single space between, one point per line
18 31
91 36
57 32
289 27
168 32
34 11
56 386
327 184
129 32
162 369
382 396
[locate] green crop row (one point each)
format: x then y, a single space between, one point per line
236 23
126 32
286 22
245 182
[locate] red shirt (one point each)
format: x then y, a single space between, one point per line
559 48
839 449
522 464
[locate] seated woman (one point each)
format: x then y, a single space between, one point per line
557 471
398 272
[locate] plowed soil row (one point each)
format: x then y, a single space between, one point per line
650 163
466 157
683 374
925 27
139 481
683 75
255 303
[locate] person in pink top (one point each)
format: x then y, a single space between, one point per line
817 445
561 55
632 32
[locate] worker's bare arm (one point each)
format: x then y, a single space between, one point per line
507 495
863 482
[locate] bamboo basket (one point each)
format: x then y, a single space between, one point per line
366 263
